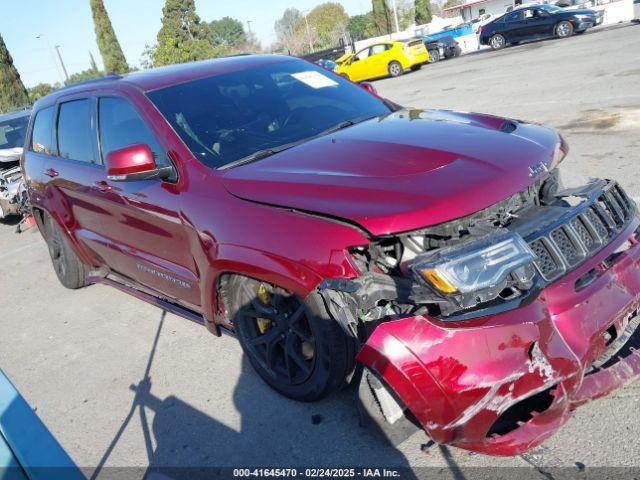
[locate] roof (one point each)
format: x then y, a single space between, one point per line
154 78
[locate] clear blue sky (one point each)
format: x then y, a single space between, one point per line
68 23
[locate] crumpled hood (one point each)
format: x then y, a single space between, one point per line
403 171
10 154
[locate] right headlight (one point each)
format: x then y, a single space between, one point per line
478 266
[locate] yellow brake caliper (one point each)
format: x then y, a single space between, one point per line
263 323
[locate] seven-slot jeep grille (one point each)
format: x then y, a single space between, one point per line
567 245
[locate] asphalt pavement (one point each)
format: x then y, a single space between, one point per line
121 385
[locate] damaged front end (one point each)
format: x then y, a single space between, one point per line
488 330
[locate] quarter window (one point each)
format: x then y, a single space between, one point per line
42 138
121 126
75 141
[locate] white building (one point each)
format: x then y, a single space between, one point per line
473 9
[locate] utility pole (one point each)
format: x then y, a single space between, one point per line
64 69
308 32
395 15
40 36
249 26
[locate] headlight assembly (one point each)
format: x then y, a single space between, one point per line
478 271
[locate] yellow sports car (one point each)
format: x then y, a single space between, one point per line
383 58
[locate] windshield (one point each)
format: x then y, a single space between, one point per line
12 132
228 117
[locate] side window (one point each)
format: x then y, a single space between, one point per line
121 126
75 141
377 49
513 16
42 137
362 54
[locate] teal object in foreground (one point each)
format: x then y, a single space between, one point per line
27 448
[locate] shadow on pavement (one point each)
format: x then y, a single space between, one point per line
184 442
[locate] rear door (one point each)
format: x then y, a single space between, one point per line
514 26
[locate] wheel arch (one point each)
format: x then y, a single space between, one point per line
39 213
259 265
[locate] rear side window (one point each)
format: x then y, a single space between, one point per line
121 126
415 43
75 141
42 138
513 16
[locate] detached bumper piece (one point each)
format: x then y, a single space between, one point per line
503 383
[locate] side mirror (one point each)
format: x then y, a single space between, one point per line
368 86
135 162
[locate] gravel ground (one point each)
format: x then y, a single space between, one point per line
119 385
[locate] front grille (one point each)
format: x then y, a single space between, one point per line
566 245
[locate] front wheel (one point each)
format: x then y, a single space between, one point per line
497 41
395 69
70 270
564 29
293 344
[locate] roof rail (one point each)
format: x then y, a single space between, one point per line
108 76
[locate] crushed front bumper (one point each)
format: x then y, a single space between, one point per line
504 383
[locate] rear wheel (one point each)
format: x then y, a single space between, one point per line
292 343
497 41
434 56
70 270
564 29
395 69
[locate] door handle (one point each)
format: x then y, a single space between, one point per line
50 172
102 186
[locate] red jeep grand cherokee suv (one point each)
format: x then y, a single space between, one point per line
329 228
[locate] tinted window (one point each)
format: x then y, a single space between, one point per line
121 126
230 116
513 16
75 140
42 138
12 132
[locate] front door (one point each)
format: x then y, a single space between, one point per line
144 237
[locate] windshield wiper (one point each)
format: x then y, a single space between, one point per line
346 123
259 155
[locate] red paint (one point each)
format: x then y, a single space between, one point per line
411 169
133 159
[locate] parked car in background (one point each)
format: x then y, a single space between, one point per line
441 48
535 22
13 127
435 252
383 58
575 4
478 23
328 64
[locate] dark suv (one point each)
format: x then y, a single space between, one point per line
432 256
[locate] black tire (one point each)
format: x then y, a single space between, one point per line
70 270
497 41
395 69
434 56
564 29
277 336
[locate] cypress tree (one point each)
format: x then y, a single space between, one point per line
12 92
381 16
423 11
112 55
